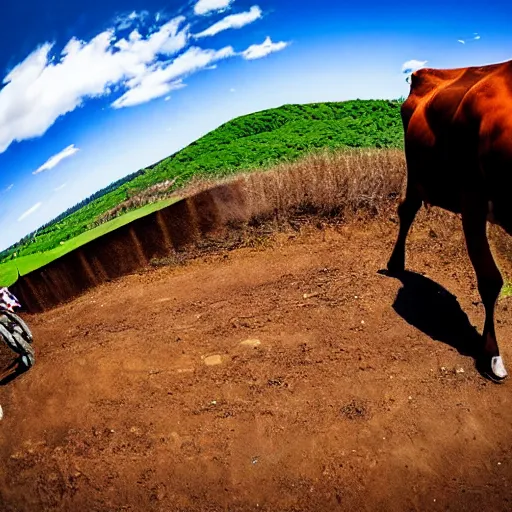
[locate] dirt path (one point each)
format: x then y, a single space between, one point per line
353 397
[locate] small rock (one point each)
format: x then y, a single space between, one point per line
410 398
250 343
1 413
212 360
460 370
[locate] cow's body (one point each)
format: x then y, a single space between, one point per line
458 145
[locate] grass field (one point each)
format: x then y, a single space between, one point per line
25 264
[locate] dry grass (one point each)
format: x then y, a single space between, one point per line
340 184
343 184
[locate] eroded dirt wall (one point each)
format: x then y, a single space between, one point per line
132 247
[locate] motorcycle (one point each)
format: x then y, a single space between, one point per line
16 334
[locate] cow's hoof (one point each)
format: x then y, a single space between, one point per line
492 368
498 368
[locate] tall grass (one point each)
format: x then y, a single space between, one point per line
341 184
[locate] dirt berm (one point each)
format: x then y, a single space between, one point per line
127 249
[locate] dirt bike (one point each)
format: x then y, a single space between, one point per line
15 333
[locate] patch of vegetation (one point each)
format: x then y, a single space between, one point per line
249 142
507 290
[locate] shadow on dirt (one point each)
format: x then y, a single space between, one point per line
433 310
12 372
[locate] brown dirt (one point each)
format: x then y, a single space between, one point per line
360 395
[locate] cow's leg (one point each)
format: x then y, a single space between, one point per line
407 210
490 282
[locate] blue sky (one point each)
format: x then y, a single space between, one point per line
94 91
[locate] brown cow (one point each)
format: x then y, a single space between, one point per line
458 147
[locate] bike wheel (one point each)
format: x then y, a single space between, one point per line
9 339
23 327
18 345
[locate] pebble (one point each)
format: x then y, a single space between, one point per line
250 343
212 360
1 413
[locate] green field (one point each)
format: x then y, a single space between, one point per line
25 264
249 142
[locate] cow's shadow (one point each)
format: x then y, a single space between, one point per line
435 311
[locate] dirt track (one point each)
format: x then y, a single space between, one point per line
361 396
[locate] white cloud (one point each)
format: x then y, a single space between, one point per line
206 6
257 51
30 211
412 65
126 21
6 189
60 187
474 37
160 79
232 21
136 68
232 90
149 88
56 159
41 89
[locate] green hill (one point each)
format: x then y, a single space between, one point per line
248 142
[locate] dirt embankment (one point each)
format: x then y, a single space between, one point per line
285 376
